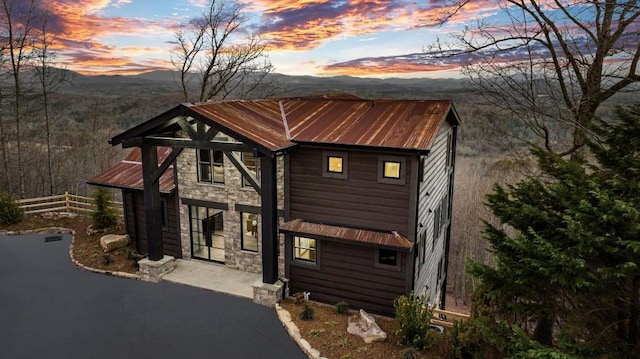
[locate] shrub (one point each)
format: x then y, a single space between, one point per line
342 307
307 312
10 211
414 315
409 353
103 216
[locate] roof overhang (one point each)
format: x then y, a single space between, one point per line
391 240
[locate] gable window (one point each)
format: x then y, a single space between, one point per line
253 165
392 169
387 259
304 249
249 228
210 166
334 164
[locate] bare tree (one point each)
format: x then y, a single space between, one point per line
554 63
17 19
49 79
220 55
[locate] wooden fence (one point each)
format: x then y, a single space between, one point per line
66 202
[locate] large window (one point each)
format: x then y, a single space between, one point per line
253 165
207 233
249 228
210 166
335 164
304 249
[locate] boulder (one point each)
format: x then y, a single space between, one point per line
110 242
364 325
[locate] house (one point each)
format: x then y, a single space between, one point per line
346 198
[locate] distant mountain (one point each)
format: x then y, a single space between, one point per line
167 82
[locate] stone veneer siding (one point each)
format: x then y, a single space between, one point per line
231 193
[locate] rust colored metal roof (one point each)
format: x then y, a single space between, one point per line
395 124
257 120
127 174
398 124
382 239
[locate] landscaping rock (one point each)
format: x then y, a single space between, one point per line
110 242
364 325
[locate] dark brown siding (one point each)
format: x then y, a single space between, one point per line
170 235
358 201
347 272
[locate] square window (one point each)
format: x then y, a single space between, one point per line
335 164
210 166
388 257
391 169
304 249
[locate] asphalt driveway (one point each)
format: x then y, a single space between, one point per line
50 309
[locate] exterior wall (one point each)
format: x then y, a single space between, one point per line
135 220
357 201
347 272
231 193
433 186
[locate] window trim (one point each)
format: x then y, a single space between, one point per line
302 261
242 233
391 180
212 164
325 164
256 170
397 267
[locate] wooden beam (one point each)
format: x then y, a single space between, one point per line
186 127
177 142
269 212
244 171
152 203
167 162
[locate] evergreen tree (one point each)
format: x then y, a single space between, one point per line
567 263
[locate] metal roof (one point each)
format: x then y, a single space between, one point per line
127 174
273 125
380 239
396 124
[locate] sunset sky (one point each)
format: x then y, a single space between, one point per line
375 38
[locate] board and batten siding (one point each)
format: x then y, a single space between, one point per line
433 187
347 272
358 201
170 233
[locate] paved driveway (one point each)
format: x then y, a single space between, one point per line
50 309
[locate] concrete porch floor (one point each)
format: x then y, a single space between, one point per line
213 277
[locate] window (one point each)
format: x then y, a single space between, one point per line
422 246
253 165
387 259
249 228
449 151
335 164
207 233
163 214
391 169
210 166
304 249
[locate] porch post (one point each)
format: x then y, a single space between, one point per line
269 211
152 202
